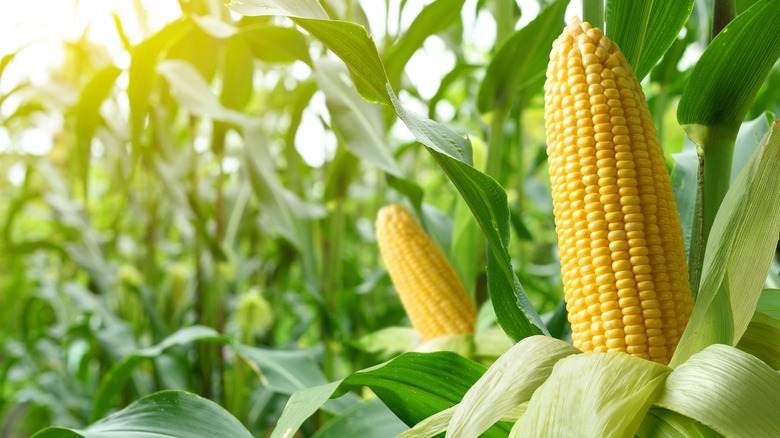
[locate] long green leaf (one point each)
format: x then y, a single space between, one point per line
667 18
414 386
173 414
738 254
521 59
769 303
762 339
627 25
663 423
370 419
730 72
727 390
599 394
486 198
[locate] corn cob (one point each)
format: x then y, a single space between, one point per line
623 259
430 291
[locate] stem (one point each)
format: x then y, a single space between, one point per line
496 135
723 11
593 12
715 147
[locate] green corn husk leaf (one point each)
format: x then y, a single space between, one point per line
595 394
739 252
726 389
663 423
762 339
510 381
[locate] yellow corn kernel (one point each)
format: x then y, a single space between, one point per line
430 290
623 260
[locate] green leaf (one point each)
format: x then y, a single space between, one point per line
727 390
358 123
684 187
663 423
275 44
748 140
88 115
368 419
414 386
141 74
118 375
769 303
667 18
738 254
598 394
434 18
762 339
510 381
627 25
522 58
486 199
730 72
163 414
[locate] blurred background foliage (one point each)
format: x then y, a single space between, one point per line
135 212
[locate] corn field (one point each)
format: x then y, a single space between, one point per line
337 218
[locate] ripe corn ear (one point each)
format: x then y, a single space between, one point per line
430 290
623 259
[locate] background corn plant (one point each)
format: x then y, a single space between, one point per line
177 239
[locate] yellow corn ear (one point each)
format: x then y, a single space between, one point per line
623 259
430 290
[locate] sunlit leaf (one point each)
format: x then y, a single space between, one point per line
739 252
172 414
598 394
727 390
510 381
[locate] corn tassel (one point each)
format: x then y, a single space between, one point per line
623 259
429 288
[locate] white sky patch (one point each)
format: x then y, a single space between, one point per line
429 65
312 141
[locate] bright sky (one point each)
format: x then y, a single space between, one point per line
42 25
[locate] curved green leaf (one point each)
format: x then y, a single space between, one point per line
726 389
598 394
164 414
663 423
762 339
627 25
521 59
510 381
414 386
731 71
